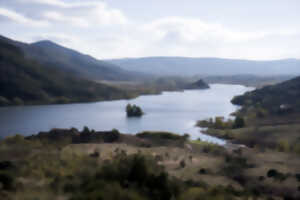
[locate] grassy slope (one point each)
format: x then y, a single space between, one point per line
45 168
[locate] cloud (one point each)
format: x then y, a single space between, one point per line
79 13
58 17
56 3
18 18
96 28
193 30
62 4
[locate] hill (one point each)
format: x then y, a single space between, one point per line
279 98
55 56
185 66
200 84
248 79
27 81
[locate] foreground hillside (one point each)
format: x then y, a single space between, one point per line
185 66
89 165
26 81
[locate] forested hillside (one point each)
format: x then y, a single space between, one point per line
283 97
84 66
26 81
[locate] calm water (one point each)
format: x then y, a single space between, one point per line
172 111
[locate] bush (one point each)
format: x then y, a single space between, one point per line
4 101
18 101
182 164
283 146
6 165
132 177
272 173
112 136
7 181
297 177
202 171
160 135
133 111
261 178
239 122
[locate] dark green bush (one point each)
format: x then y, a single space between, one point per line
239 122
7 181
112 136
133 111
131 177
272 173
202 171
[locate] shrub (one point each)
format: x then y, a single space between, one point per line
133 111
132 177
7 181
112 136
18 101
202 171
261 178
96 154
160 135
272 173
6 165
182 164
239 122
283 146
297 177
4 101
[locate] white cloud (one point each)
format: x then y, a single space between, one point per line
96 28
102 14
193 30
57 3
79 13
16 17
58 17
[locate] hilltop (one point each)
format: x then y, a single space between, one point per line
55 56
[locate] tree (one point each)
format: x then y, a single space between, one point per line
133 111
239 122
272 173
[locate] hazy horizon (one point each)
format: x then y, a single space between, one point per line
255 30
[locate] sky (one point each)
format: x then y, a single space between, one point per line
240 29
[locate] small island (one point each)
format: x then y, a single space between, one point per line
200 84
134 111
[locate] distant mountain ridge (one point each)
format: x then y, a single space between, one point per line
185 66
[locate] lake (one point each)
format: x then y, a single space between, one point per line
171 111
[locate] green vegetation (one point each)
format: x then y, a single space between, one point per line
90 165
134 111
220 123
26 81
278 99
160 135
